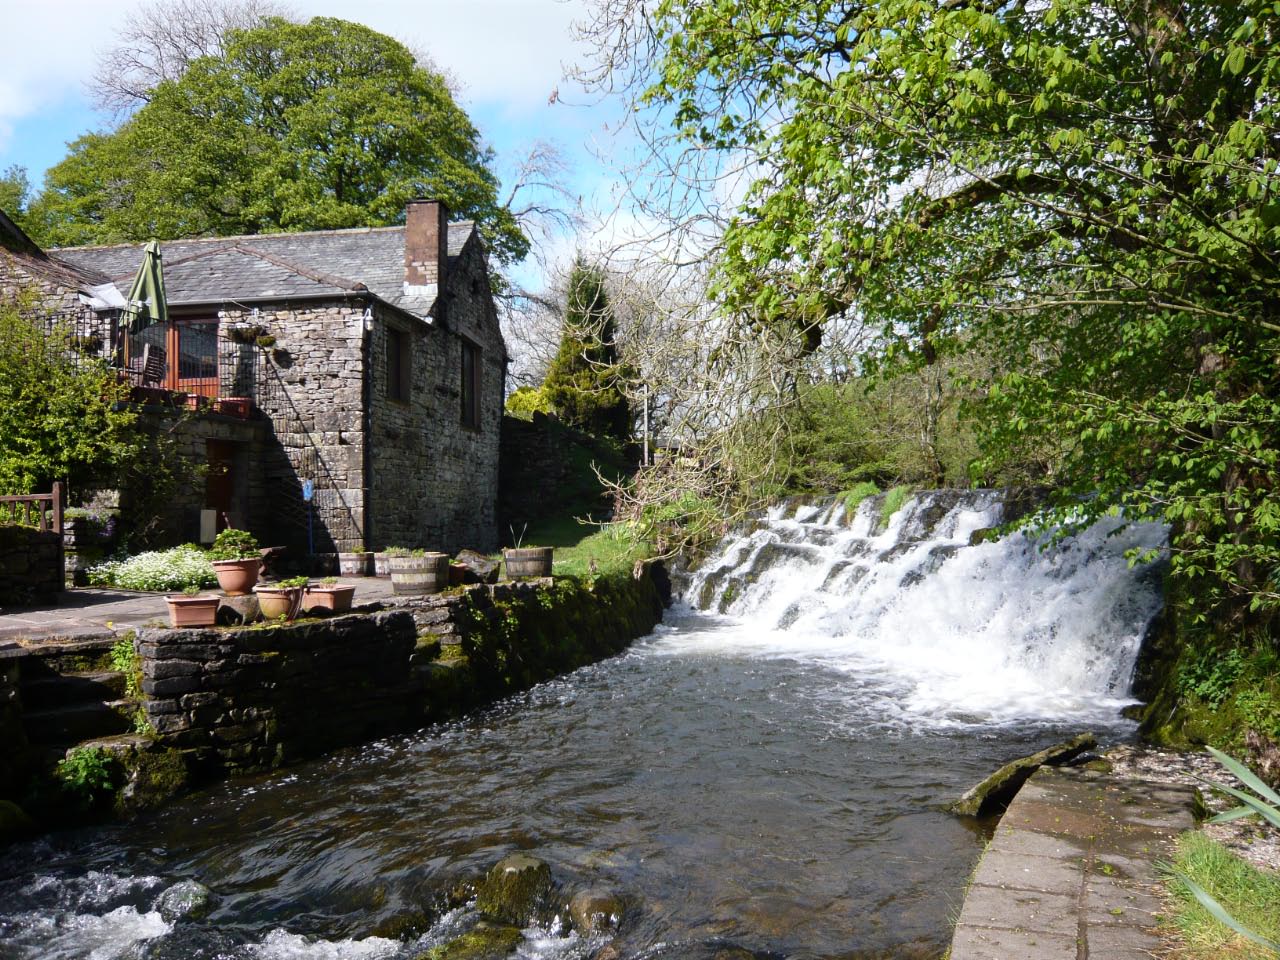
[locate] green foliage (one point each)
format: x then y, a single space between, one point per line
1223 903
854 496
61 413
233 544
893 501
1211 675
296 126
15 194
292 583
157 570
90 774
524 402
612 548
584 382
1084 189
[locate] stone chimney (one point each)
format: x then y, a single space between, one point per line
426 246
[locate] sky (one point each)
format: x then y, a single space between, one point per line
507 57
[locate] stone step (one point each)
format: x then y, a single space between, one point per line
119 745
78 722
61 690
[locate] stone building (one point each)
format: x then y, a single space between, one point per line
347 385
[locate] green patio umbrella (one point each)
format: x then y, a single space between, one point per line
145 304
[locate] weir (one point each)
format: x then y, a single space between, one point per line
763 776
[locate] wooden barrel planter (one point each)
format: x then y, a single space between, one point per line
522 562
419 574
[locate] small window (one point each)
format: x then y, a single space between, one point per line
470 385
399 364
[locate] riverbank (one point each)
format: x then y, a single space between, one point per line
206 704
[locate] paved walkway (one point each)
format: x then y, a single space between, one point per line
87 613
1070 872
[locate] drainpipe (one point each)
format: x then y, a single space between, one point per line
366 423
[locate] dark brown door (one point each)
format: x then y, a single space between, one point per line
220 481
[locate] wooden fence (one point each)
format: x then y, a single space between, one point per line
40 510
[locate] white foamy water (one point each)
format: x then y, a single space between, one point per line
952 633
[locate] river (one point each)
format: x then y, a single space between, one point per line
769 777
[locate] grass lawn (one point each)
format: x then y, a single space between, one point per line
1249 895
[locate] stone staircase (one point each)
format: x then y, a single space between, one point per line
72 698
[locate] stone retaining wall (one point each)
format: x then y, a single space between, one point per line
30 566
261 697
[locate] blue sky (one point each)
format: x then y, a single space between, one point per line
507 57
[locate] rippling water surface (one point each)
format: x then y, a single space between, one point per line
771 781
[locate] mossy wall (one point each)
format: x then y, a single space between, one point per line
1205 683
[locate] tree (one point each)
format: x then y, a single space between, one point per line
15 193
1085 189
584 382
59 415
162 38
291 127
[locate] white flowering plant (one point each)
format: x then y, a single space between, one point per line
157 570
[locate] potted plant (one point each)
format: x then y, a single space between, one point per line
281 600
192 609
522 562
417 572
328 595
237 559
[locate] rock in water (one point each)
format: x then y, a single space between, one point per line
995 792
187 899
594 911
14 822
477 568
486 942
515 890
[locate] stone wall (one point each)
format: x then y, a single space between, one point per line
256 698
310 385
12 735
433 480
30 566
259 698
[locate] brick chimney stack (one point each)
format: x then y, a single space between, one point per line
426 244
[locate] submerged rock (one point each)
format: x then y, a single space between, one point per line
486 942
187 899
594 911
516 890
14 822
995 792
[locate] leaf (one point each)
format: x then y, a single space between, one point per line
1245 776
1220 914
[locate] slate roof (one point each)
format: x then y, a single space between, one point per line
15 242
275 266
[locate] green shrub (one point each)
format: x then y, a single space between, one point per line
526 401
89 773
157 570
855 495
893 501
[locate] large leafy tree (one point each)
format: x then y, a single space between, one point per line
1084 189
584 384
288 126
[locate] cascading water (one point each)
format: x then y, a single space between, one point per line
963 627
767 777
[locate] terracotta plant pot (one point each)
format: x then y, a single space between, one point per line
237 577
419 574
522 562
187 611
278 602
334 599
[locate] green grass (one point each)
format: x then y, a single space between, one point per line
1250 896
613 548
856 494
893 501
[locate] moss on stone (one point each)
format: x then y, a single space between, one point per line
155 776
995 792
14 822
516 890
485 942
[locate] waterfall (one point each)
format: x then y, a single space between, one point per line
963 626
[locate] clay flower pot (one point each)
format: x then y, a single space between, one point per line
334 598
524 562
237 577
278 602
187 611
